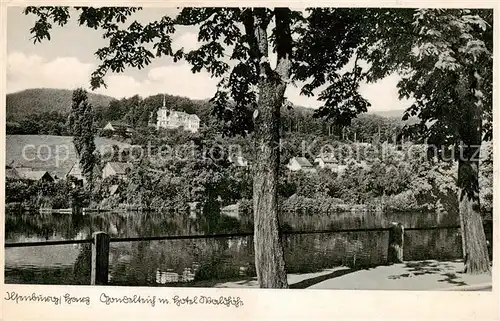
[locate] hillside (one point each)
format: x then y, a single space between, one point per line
398 113
138 112
58 160
395 114
42 100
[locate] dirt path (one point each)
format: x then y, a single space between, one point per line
418 275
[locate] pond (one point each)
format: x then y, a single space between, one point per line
208 261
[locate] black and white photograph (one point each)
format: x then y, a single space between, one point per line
334 148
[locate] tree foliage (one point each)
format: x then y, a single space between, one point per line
81 123
446 66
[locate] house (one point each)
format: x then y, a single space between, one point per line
76 172
118 169
117 127
231 210
11 173
300 164
171 119
163 277
193 208
187 275
362 144
326 161
115 189
238 161
31 175
340 169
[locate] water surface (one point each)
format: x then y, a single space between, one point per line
189 262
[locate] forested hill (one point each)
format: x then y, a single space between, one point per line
48 110
43 100
397 113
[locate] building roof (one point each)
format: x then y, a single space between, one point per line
182 115
364 164
303 162
34 175
231 210
193 204
11 173
240 161
156 171
75 171
327 158
113 189
22 170
116 124
119 167
341 168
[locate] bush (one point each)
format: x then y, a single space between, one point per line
215 269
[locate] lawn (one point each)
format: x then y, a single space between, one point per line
55 154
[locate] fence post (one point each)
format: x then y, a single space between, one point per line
100 259
396 242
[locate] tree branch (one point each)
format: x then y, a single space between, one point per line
284 43
248 22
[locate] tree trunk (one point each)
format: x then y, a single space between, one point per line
470 130
269 255
463 234
474 239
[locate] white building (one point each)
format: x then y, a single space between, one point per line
232 210
300 164
340 169
118 169
326 161
76 172
171 119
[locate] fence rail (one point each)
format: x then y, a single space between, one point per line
100 244
215 236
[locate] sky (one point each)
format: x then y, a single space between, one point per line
67 60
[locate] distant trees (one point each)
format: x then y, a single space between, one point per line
47 123
37 194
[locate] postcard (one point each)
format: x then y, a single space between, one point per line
295 160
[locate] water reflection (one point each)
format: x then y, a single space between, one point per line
189 262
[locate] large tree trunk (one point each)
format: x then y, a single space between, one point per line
269 255
474 239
